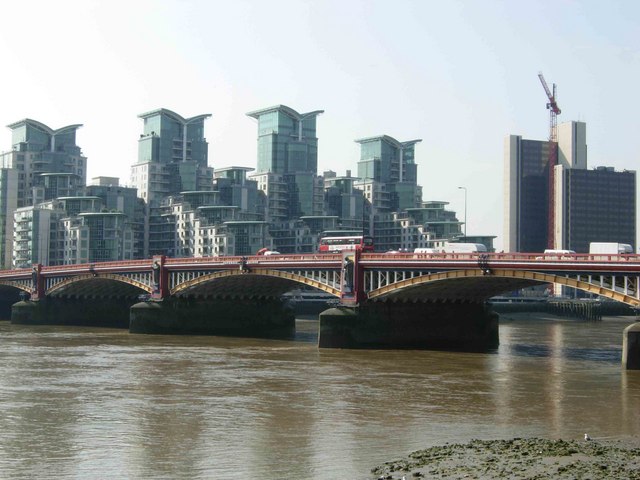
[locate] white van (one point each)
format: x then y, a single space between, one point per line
552 254
464 248
559 252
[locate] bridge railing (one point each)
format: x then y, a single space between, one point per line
254 259
101 265
516 257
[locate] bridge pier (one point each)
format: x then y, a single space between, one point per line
631 347
261 318
433 326
90 312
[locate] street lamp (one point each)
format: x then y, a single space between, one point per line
465 210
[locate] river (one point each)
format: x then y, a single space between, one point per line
83 403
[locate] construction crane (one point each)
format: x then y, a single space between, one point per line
554 111
553 108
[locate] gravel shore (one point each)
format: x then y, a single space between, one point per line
519 458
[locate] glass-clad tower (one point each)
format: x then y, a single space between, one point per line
287 141
42 163
172 158
388 173
38 150
385 159
288 163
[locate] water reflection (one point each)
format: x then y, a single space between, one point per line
81 403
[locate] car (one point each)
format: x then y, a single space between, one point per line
266 251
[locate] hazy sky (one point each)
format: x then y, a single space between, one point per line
460 75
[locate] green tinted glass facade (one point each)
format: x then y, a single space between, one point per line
386 160
169 138
287 141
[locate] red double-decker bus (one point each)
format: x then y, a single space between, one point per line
350 242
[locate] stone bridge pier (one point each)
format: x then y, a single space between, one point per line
239 317
412 321
93 312
470 327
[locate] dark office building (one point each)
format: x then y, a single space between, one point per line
527 194
599 206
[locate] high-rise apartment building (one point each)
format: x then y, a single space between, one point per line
172 158
38 150
287 141
388 173
385 159
288 163
8 205
43 163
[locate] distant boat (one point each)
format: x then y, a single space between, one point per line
309 301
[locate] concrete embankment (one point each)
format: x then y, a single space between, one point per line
585 310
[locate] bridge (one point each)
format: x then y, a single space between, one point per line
180 295
382 277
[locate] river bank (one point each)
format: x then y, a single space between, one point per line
518 458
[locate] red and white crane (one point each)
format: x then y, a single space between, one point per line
553 108
554 111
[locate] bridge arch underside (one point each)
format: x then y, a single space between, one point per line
8 288
9 294
474 286
102 287
257 284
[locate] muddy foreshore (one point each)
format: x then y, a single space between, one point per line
519 458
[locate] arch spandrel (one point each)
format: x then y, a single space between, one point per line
240 283
474 285
99 285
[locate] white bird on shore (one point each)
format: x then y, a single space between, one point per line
586 437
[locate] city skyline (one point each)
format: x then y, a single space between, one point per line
460 76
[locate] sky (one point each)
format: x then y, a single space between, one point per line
460 75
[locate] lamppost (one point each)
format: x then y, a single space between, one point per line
465 210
